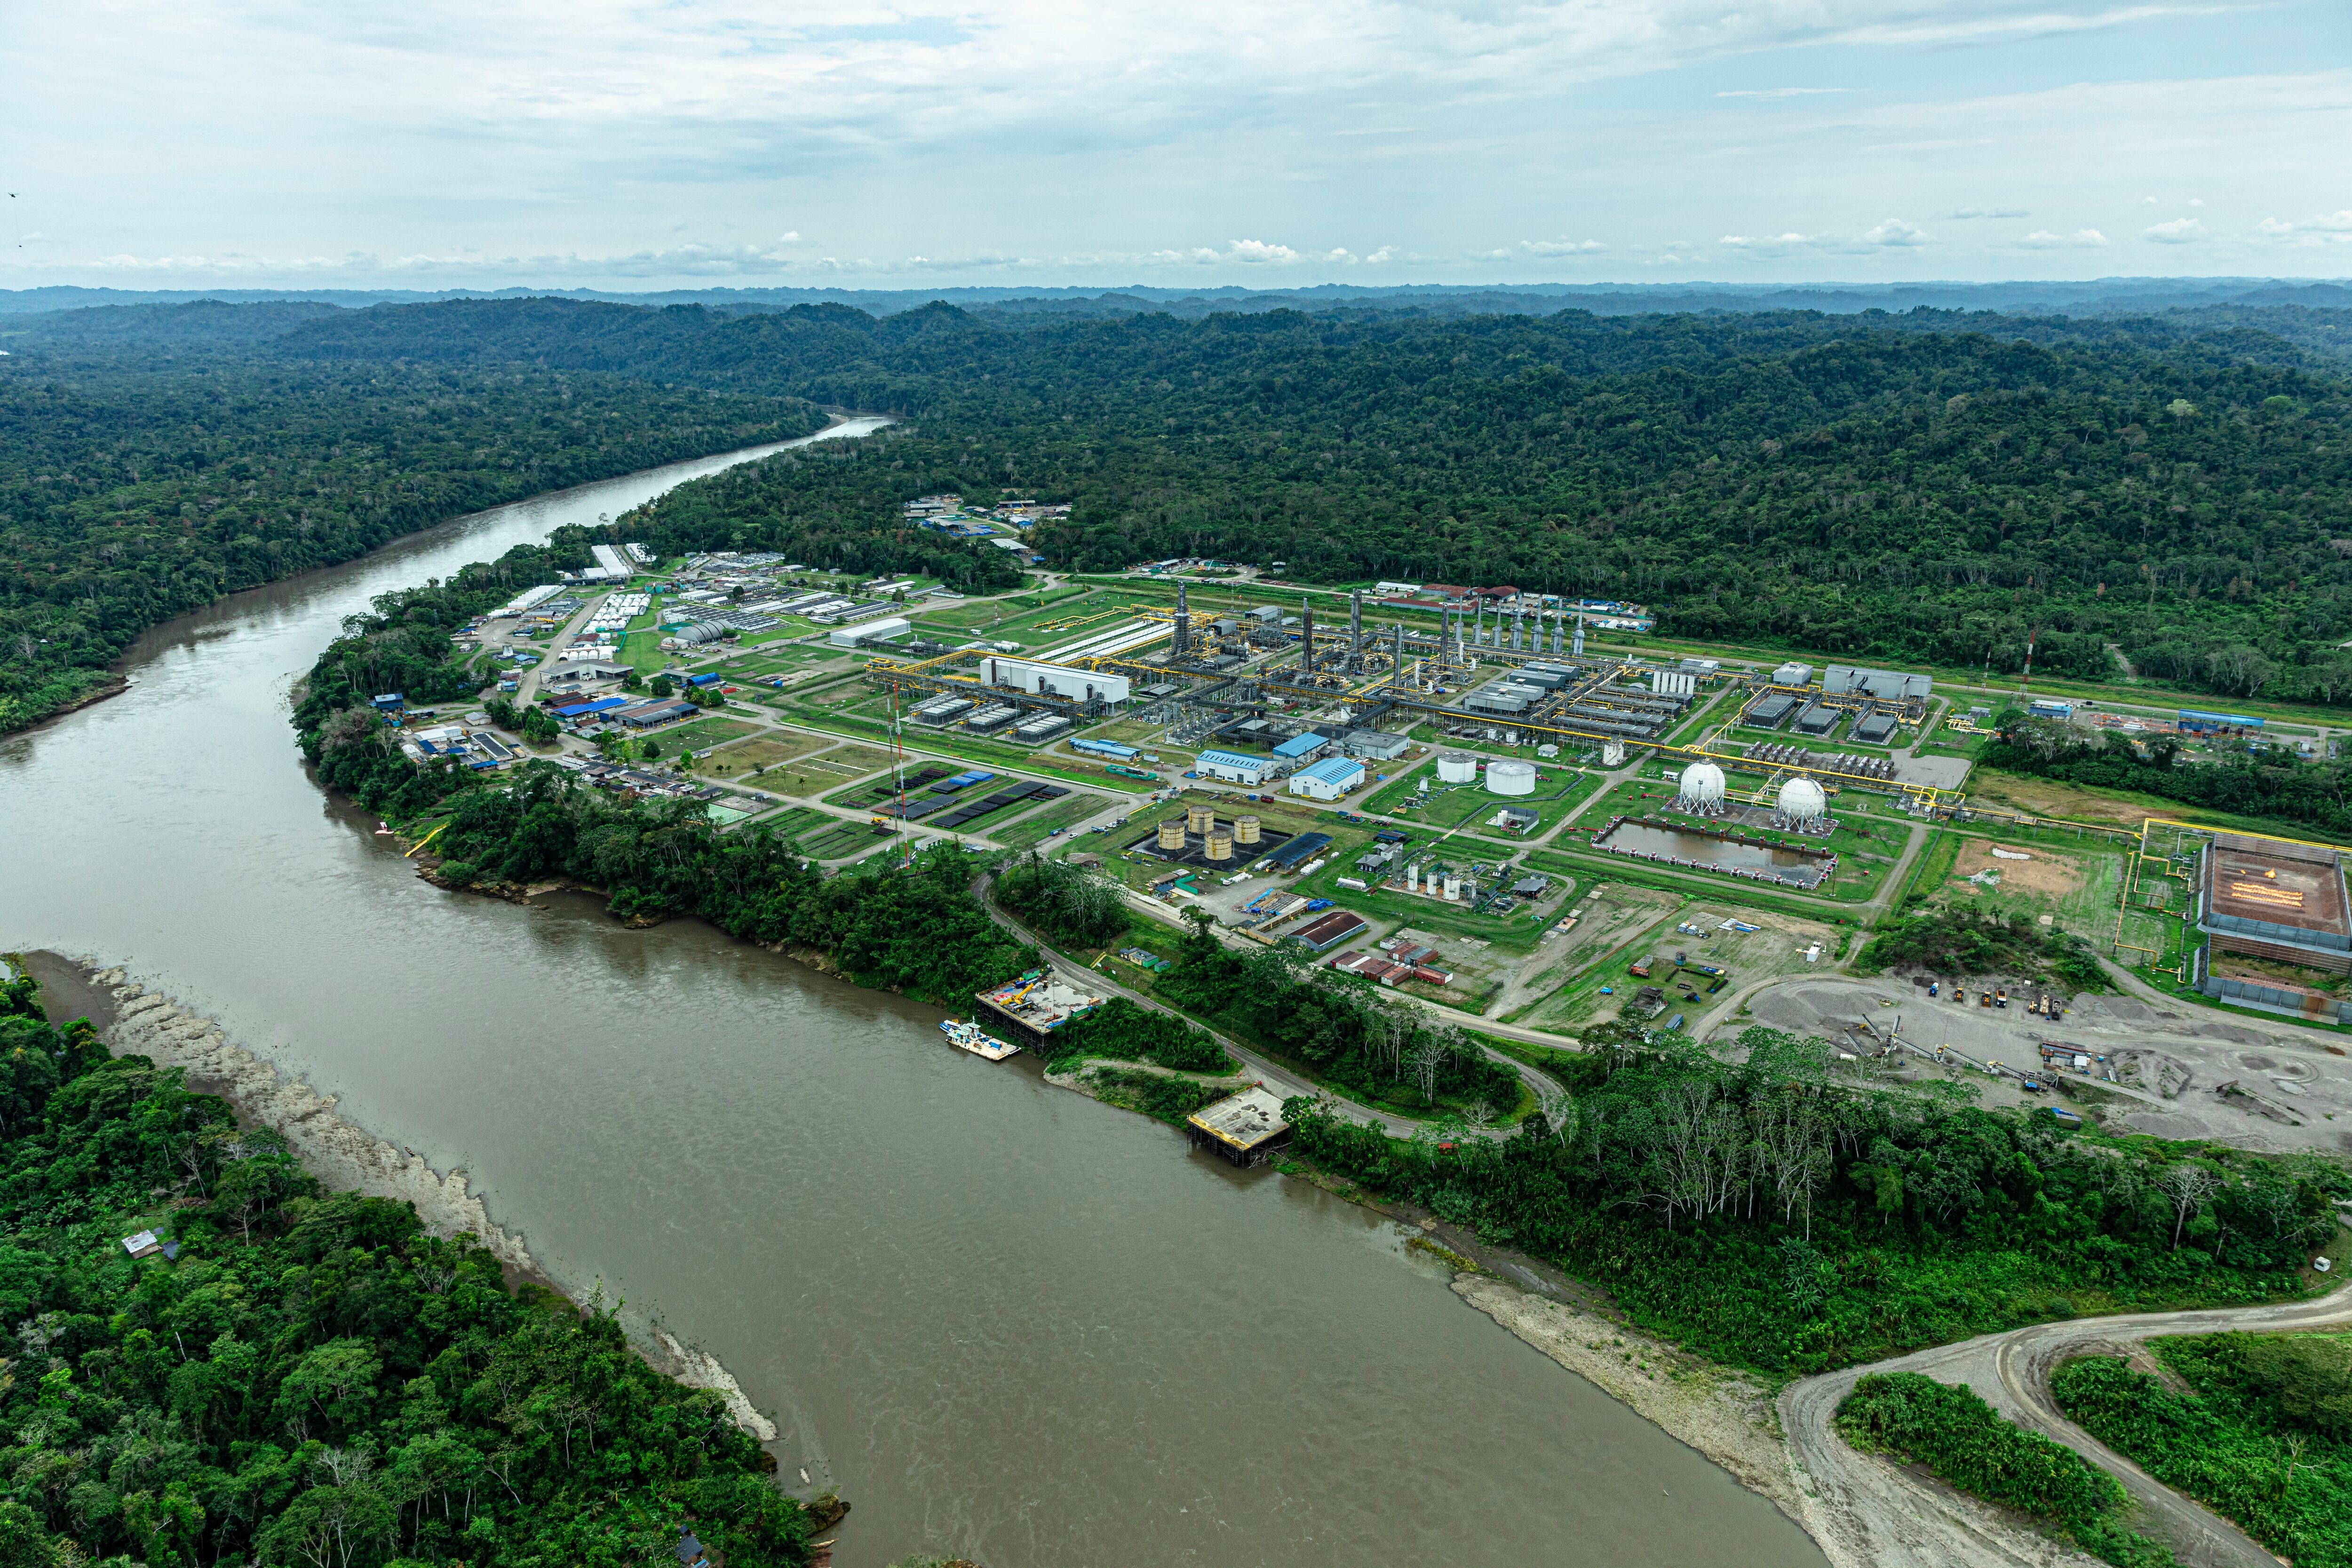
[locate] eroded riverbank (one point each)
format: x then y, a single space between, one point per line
135 1021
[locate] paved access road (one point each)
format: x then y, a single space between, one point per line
1864 1509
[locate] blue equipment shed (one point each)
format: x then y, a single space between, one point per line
2203 723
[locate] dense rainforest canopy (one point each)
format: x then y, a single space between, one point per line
1770 1212
132 489
302 1377
2169 493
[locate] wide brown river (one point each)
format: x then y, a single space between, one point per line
1004 1320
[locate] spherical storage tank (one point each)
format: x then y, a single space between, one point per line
1802 799
1510 778
1702 785
1456 767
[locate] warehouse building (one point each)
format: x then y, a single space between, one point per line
1886 685
1374 746
1298 748
1234 767
1047 679
1329 779
1327 931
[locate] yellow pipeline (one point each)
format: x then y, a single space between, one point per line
426 840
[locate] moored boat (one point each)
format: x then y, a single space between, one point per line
968 1037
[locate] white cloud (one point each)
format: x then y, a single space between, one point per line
1768 244
2179 231
2320 229
598 138
1548 248
2043 239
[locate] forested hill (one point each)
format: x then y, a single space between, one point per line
135 487
1933 485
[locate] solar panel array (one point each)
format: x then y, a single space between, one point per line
1001 799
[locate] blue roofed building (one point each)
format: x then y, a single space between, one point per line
1329 779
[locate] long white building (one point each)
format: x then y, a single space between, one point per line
1054 680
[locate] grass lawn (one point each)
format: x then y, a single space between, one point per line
742 758
814 775
1064 813
1468 806
1590 868
698 733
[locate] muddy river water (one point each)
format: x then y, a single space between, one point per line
1004 1320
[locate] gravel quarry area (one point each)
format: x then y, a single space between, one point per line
2180 1072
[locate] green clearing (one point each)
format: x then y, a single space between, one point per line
697 733
1565 979
1587 867
814 775
1469 806
1037 826
744 759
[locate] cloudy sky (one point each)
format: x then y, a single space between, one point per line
638 144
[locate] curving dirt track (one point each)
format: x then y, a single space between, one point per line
1865 1510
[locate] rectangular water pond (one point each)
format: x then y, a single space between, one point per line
1704 849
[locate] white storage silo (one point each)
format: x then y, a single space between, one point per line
1456 767
1512 778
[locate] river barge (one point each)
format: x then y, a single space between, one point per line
968 1038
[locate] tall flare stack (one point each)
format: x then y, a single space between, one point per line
1355 631
1184 643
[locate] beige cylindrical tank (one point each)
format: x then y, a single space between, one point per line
1245 830
1199 819
1172 835
1221 844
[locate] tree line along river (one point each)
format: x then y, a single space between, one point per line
1006 1322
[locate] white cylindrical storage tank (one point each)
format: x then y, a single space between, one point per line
1801 799
1702 788
1452 885
1510 778
1412 878
1456 767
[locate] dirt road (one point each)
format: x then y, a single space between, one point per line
1865 1510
